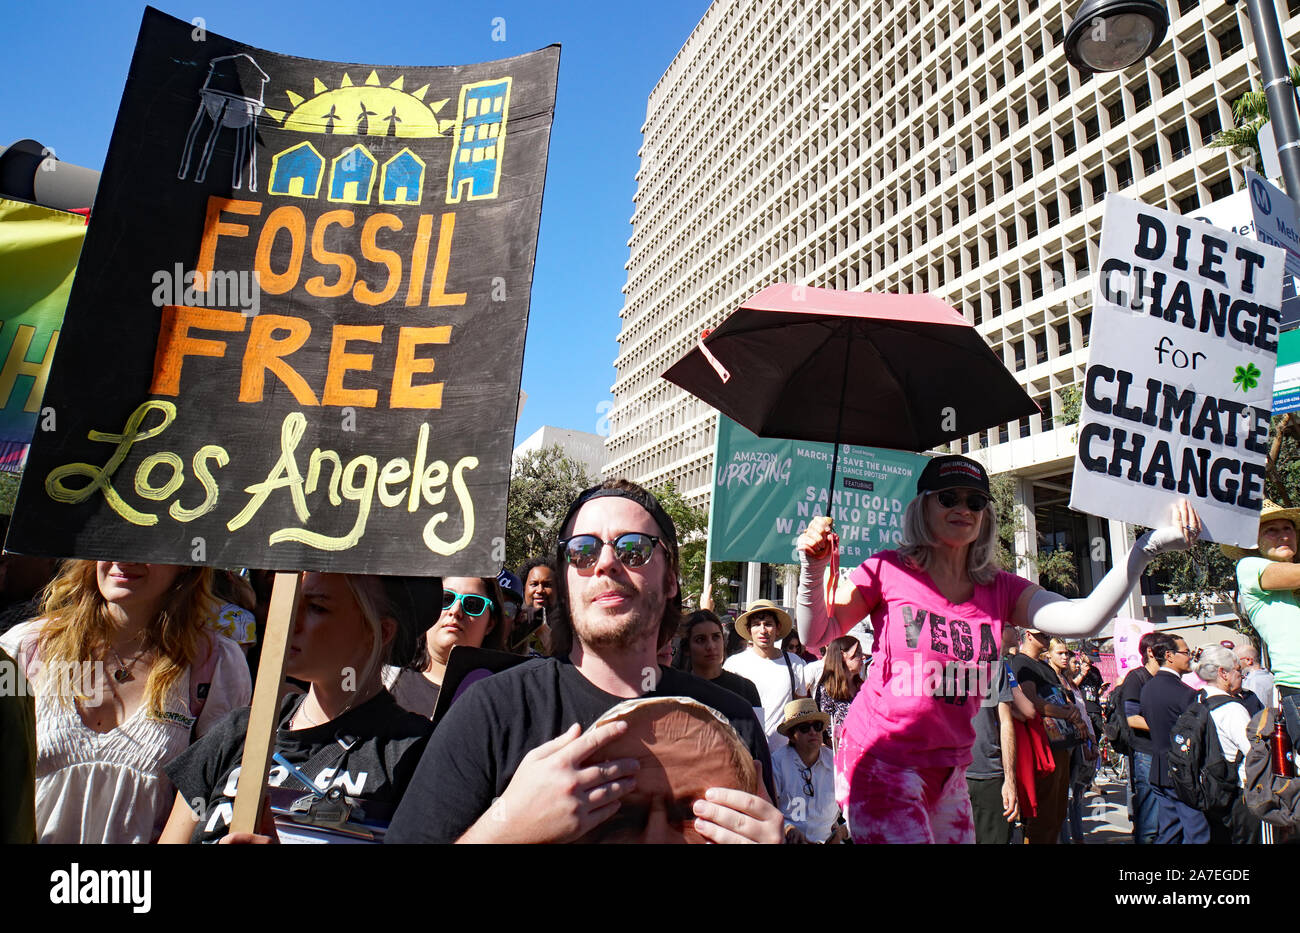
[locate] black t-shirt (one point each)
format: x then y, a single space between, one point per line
743 687
1130 698
1036 672
480 742
1050 689
385 743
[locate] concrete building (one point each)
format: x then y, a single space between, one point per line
587 449
941 146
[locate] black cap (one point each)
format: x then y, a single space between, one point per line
642 497
952 471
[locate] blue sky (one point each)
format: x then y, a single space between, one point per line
64 72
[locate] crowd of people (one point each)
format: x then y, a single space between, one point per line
929 696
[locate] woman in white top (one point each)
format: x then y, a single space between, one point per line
125 675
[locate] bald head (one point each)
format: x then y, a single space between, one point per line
1248 656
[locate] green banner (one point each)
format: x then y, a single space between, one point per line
765 491
38 254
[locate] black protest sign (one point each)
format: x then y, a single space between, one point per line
1179 382
296 333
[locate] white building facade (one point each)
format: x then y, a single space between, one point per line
941 146
588 449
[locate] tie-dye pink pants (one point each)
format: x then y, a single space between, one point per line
883 803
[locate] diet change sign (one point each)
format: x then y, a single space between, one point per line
1179 383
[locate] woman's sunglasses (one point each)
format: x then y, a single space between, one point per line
975 501
471 603
633 549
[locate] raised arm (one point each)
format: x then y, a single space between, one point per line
1280 576
816 628
1075 618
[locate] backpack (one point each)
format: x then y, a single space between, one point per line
1203 779
1270 797
1118 731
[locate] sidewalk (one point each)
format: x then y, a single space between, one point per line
1105 819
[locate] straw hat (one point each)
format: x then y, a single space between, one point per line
1268 513
804 710
764 605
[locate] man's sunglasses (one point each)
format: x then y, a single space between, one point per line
808 727
633 549
471 603
975 501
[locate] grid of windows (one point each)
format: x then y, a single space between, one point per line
904 146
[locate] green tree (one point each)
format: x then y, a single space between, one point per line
1056 569
1071 402
543 484
1249 112
692 524
1004 507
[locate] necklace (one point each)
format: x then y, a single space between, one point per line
302 711
123 672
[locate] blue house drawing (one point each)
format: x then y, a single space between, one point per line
352 176
480 140
401 180
297 172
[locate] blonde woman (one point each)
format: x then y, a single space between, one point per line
126 675
938 606
345 748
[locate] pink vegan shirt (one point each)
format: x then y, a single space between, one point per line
931 666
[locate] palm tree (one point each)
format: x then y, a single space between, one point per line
1250 111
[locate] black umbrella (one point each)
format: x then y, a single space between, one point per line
900 371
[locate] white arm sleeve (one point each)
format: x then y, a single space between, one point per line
810 609
1075 618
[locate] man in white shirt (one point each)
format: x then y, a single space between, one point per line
1221 672
777 674
1256 679
804 772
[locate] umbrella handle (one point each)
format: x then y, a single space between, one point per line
832 581
723 373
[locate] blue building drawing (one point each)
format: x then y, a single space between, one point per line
401 180
352 176
480 140
297 172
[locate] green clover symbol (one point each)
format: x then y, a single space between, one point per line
1247 377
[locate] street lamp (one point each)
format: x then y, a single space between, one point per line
1110 35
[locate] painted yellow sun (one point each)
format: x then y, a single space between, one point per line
368 109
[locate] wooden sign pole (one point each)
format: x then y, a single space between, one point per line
262 720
